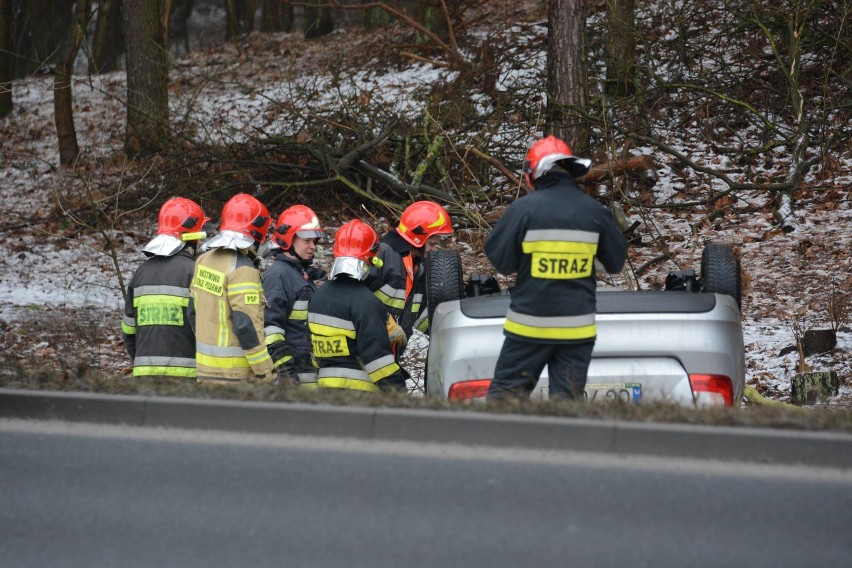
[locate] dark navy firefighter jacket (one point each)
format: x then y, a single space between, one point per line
288 285
551 239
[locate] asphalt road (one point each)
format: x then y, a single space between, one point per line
106 495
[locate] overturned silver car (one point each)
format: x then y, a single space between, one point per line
683 345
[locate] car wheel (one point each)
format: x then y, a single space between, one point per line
720 271
444 278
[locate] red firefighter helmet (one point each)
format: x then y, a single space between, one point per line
181 218
549 151
246 215
355 247
421 220
297 221
356 239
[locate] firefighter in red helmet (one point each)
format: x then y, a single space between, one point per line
289 284
156 326
400 283
552 238
228 298
347 322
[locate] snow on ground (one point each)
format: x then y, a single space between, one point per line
46 271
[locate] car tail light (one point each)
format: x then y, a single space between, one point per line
465 390
712 390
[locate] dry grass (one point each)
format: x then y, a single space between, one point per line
81 378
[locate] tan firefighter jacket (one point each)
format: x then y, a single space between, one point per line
229 309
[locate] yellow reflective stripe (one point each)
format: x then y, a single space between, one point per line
223 324
147 371
243 287
341 383
275 337
564 247
423 325
582 332
330 331
221 362
285 359
300 315
389 301
259 357
160 299
385 371
127 329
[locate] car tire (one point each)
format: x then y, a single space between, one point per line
444 278
720 271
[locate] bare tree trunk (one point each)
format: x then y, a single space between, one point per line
108 41
376 17
147 77
7 57
249 11
43 27
620 48
276 16
179 24
433 17
566 72
318 20
239 17
63 113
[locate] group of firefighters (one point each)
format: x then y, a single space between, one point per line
207 312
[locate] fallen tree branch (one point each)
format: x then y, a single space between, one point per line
648 264
496 163
399 185
614 168
358 153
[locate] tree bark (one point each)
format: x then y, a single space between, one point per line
147 77
620 48
566 72
63 112
376 17
318 20
276 16
7 58
108 41
44 25
239 16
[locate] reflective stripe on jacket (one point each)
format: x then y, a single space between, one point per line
388 280
349 337
156 326
551 239
400 283
289 286
229 310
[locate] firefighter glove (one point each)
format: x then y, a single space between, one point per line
396 335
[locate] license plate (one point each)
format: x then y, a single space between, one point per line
609 392
613 392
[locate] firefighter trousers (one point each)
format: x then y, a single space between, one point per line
521 362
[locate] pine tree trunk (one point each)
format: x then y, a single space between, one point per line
620 48
566 72
7 58
147 77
